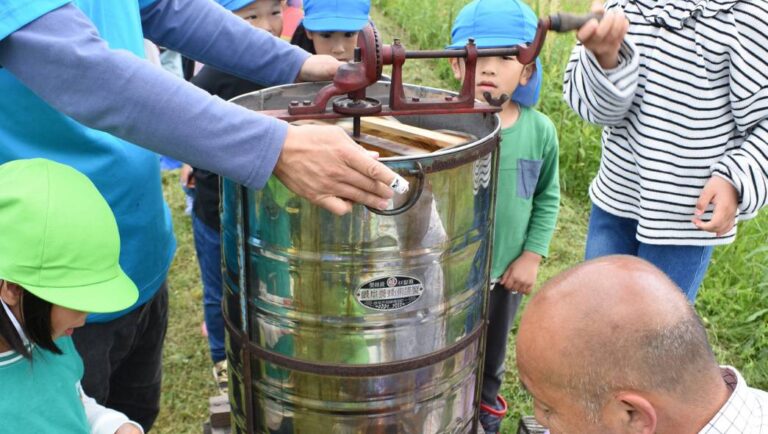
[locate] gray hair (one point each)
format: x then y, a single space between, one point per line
669 357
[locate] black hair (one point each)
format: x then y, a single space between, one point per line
36 316
301 40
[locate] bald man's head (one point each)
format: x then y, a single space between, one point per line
611 324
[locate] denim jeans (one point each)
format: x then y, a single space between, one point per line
612 235
208 248
123 359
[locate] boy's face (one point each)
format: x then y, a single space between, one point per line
340 45
497 75
264 14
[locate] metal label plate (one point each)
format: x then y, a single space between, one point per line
389 293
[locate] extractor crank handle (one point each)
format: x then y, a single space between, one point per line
563 22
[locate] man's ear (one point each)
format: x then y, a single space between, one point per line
528 71
309 34
10 293
456 67
635 413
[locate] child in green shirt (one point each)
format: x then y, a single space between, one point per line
528 187
59 251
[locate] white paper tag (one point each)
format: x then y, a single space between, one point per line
399 184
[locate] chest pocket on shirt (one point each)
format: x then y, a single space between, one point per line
527 177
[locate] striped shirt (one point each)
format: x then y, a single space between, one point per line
745 412
688 100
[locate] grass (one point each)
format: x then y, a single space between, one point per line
188 379
733 300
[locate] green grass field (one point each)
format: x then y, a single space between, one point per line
733 300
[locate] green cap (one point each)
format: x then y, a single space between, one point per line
59 239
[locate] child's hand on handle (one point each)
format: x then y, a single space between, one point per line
128 428
725 198
521 273
322 164
603 38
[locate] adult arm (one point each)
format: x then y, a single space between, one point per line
116 92
210 34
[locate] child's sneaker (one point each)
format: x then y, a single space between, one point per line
221 377
491 416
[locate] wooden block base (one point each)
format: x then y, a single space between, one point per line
219 416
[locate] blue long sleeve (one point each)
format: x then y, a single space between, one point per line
208 33
62 59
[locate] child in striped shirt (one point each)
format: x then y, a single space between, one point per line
681 89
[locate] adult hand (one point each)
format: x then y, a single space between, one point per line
318 68
725 198
322 164
603 38
521 273
128 428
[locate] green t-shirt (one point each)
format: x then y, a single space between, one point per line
528 189
40 395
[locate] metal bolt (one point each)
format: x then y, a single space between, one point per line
294 103
415 99
471 41
306 102
449 98
397 41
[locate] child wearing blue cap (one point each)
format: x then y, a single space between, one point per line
528 187
331 26
265 15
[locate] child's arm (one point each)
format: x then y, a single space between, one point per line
602 74
522 272
104 420
546 199
746 167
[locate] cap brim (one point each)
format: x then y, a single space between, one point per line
488 42
109 296
334 24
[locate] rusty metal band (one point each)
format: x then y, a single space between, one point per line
343 370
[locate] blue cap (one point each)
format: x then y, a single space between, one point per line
500 23
234 5
336 15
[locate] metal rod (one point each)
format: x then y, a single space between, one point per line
483 52
356 126
560 22
563 22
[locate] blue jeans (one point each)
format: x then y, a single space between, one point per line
208 248
612 235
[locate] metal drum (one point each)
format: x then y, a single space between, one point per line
365 323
